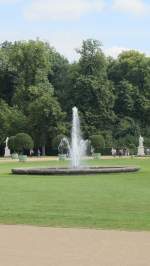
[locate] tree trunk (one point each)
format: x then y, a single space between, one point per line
43 150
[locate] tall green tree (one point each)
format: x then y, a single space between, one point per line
59 77
91 91
130 74
12 121
45 119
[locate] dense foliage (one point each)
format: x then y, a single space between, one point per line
23 142
39 87
11 144
97 142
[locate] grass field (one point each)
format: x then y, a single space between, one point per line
110 201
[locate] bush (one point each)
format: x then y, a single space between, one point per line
132 149
108 138
11 144
23 142
147 142
97 142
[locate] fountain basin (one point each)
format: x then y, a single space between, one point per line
74 171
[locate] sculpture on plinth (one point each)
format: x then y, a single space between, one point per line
7 150
141 147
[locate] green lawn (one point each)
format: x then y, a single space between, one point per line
110 201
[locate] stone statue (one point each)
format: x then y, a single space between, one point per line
7 150
141 146
6 141
113 152
141 141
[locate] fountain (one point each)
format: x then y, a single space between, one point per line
75 140
64 148
78 145
77 149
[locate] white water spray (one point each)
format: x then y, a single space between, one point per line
78 145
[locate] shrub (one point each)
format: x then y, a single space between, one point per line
147 142
23 142
132 149
97 142
11 144
127 142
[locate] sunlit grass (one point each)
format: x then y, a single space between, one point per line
119 201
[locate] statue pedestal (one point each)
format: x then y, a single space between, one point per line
141 151
7 152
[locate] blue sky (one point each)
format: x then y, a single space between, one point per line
118 24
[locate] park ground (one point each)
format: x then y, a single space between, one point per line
75 220
106 201
44 246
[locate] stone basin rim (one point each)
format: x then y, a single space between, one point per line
71 171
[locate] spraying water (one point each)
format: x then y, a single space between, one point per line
64 146
78 145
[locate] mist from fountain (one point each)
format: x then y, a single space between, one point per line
78 145
64 146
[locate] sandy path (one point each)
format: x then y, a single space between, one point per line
38 246
55 158
30 159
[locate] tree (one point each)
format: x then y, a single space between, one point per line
126 95
32 61
92 60
95 103
24 96
59 77
45 119
91 91
97 142
130 65
130 74
126 126
38 85
7 73
11 143
11 121
23 142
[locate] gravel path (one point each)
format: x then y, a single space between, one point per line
42 246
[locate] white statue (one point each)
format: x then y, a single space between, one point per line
7 150
141 141
141 146
6 141
113 152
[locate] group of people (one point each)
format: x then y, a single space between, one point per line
120 152
32 153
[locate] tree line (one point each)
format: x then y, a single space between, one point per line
39 87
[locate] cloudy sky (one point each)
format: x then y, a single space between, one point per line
118 24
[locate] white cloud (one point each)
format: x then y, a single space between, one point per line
67 44
4 2
137 7
61 41
61 9
64 43
115 51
